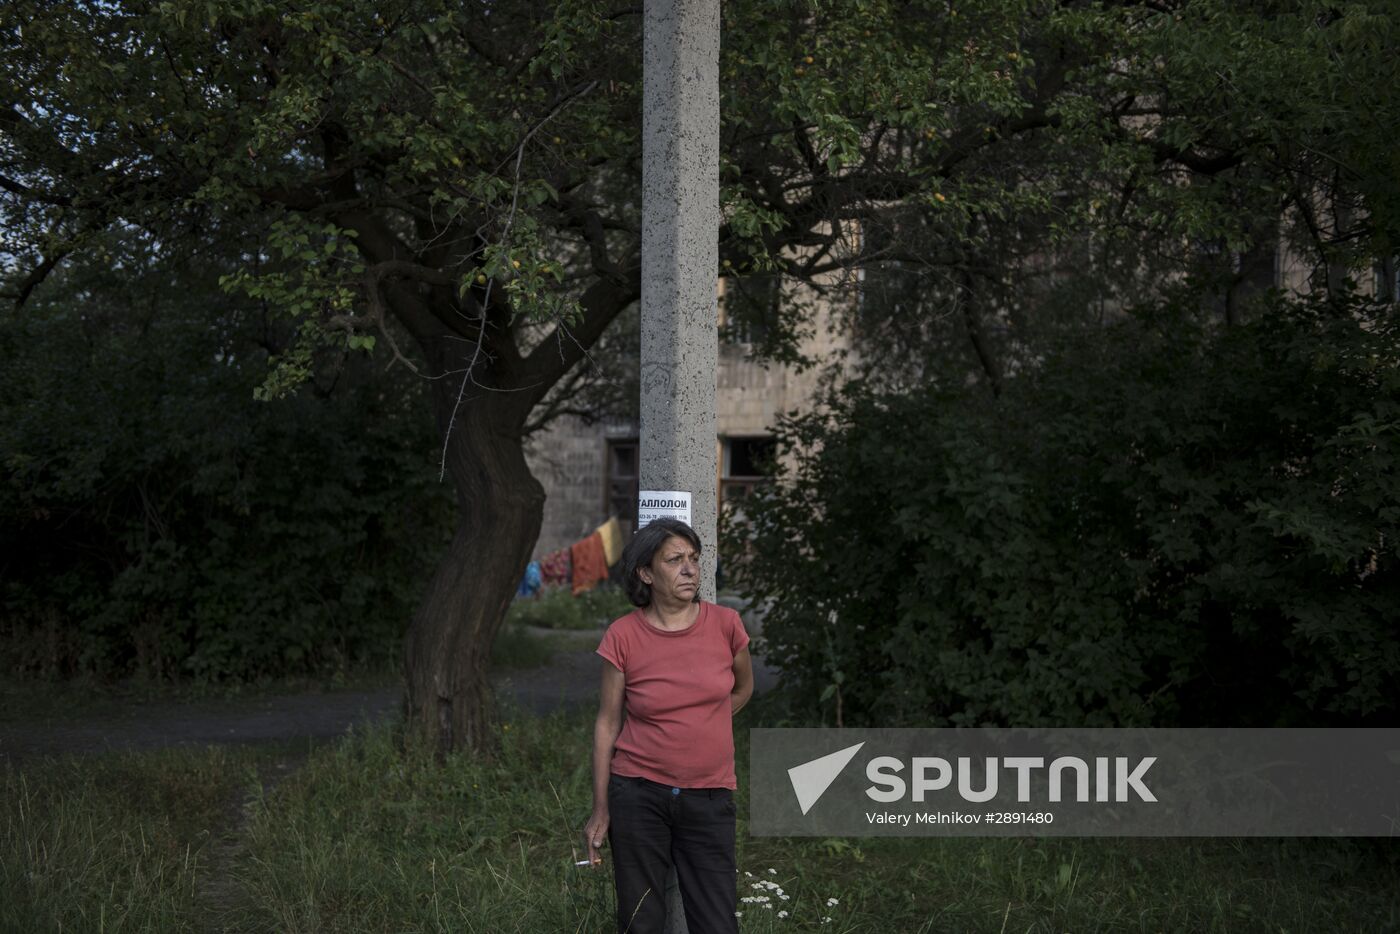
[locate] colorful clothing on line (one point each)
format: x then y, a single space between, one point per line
612 540
556 568
531 582
590 563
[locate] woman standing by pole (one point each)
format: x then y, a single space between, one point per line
676 670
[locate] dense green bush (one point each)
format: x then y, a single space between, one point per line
156 520
1159 524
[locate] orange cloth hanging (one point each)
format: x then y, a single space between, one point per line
590 563
612 540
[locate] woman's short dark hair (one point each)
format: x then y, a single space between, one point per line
642 549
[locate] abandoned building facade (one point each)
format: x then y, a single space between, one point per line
590 469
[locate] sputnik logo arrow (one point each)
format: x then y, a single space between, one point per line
810 780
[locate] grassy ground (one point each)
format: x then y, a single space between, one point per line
362 837
558 608
117 842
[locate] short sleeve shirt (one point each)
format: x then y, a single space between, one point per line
679 728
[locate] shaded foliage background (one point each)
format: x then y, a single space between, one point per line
157 520
462 179
1166 522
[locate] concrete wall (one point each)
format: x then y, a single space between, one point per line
570 457
751 395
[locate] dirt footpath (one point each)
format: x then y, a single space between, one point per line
569 680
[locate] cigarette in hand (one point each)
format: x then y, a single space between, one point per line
583 862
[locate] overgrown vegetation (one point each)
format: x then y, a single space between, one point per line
116 842
455 187
1164 522
518 645
156 521
364 839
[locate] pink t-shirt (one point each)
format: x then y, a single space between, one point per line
679 729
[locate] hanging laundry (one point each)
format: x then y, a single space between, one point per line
612 540
530 583
590 564
556 568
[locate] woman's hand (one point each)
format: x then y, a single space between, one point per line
605 732
595 834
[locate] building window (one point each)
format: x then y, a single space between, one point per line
746 463
749 307
622 484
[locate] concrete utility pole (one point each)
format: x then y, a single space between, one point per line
680 258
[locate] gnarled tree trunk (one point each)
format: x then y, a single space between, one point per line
500 506
499 509
483 389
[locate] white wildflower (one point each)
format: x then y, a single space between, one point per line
772 871
832 902
782 914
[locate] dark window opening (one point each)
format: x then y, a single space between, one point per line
749 457
622 479
750 308
746 464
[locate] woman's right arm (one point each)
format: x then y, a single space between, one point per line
605 731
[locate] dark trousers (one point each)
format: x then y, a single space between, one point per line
655 826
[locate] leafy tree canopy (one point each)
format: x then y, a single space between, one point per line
455 185
487 152
1161 525
157 521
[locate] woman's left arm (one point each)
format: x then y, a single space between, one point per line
743 680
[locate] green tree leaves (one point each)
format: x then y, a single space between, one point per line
1162 524
158 521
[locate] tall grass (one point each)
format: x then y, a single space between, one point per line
366 838
115 842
